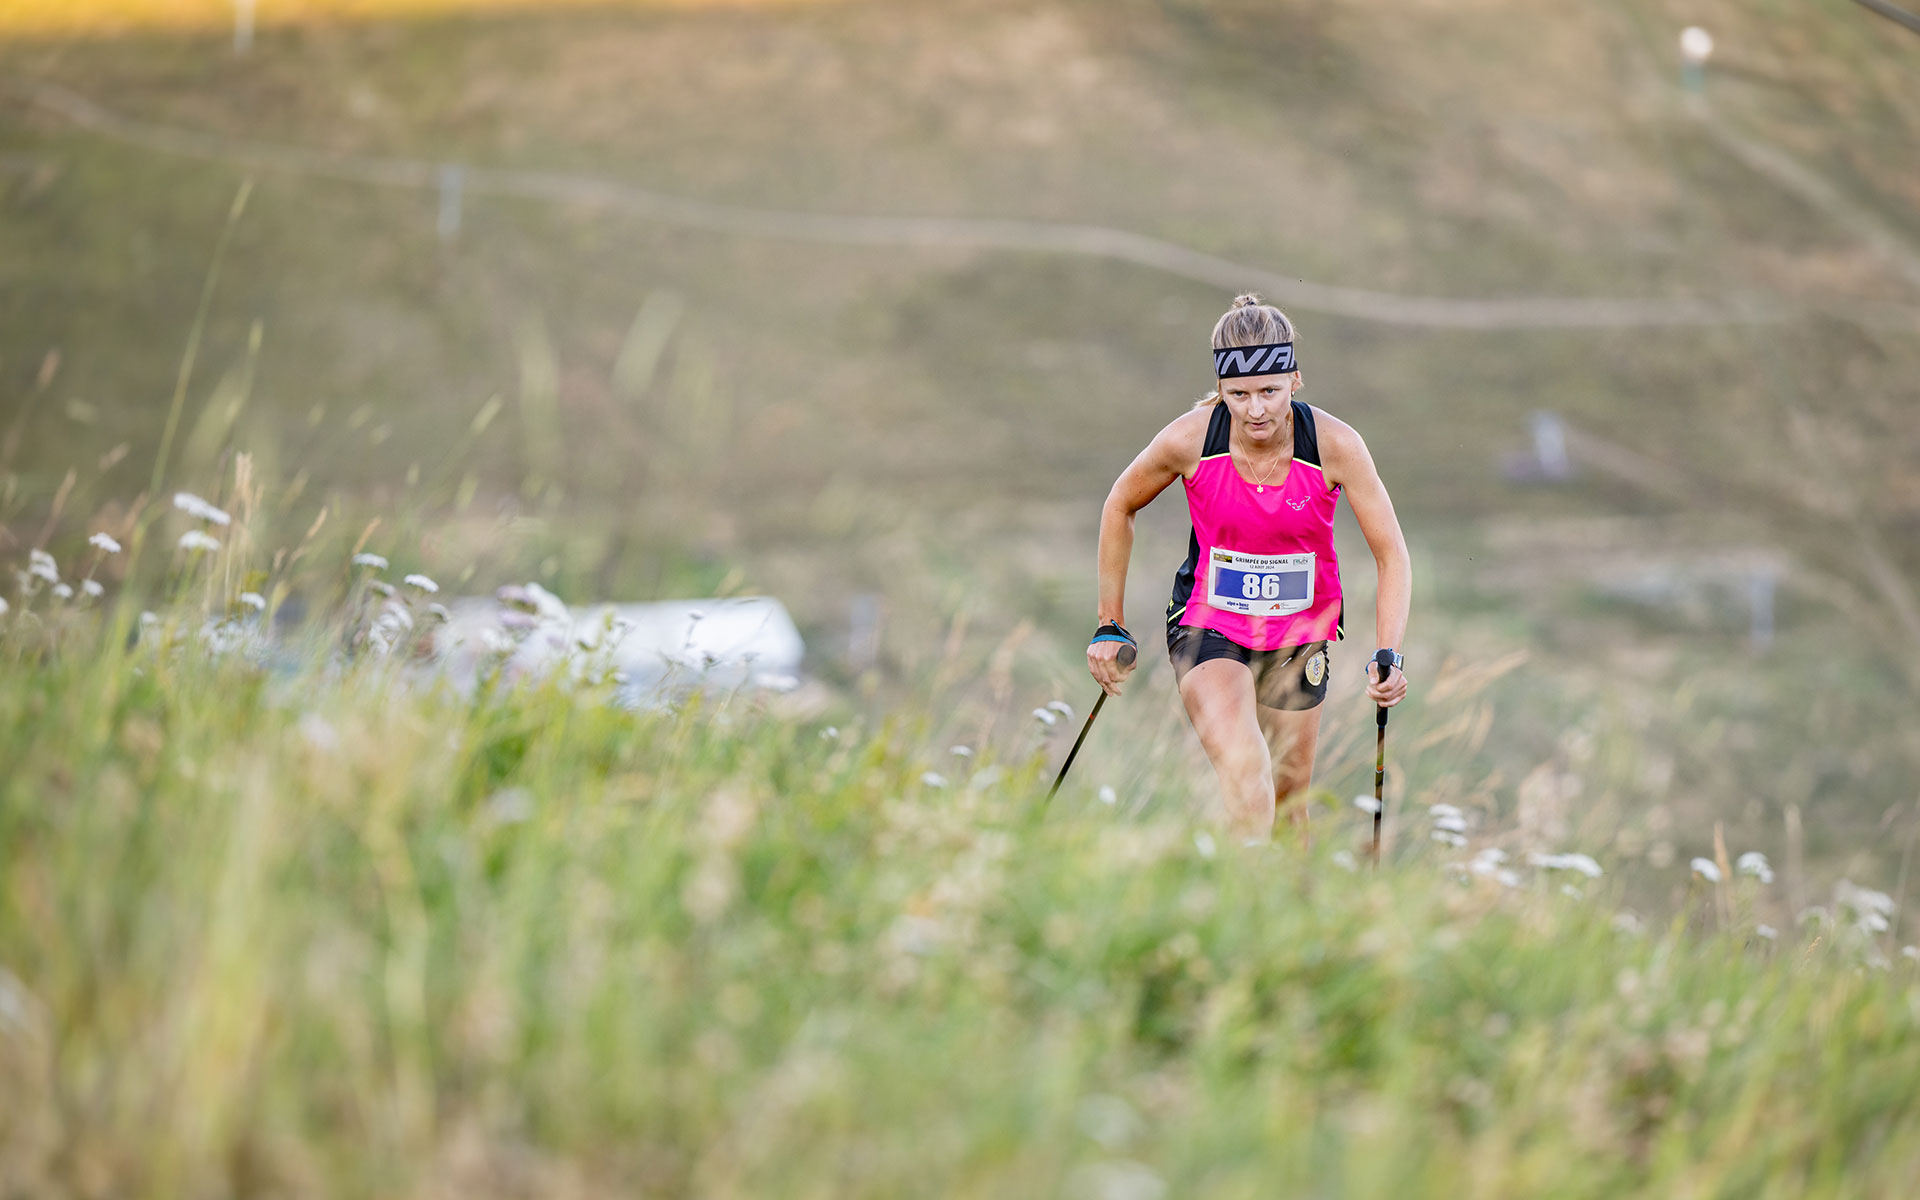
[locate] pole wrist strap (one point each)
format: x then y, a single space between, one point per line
1111 632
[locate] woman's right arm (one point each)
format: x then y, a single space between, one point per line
1147 476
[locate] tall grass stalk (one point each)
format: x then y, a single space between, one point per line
194 333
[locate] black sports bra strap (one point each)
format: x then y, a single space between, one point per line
1306 438
1219 431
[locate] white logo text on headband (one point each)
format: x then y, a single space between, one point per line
1239 361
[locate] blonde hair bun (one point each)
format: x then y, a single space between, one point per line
1246 300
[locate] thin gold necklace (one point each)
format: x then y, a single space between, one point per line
1259 485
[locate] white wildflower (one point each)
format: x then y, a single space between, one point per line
549 606
196 540
1440 812
421 582
40 565
222 637
1487 861
149 618
1447 837
1046 716
1755 864
1911 953
1581 863
830 733
3 606
1204 843
439 612
1861 899
1108 795
381 587
254 601
1061 707
1567 862
1568 889
105 542
62 591
1766 931
960 751
389 627
1366 804
370 560
92 588
1343 858
194 506
934 779
1705 869
1870 909
1508 877
1450 823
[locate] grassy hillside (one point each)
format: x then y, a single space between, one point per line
324 931
627 407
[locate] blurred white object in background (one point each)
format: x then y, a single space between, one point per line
1696 45
655 651
242 26
1549 461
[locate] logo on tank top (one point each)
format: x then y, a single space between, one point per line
1297 505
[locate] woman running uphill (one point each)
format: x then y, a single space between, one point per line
1258 600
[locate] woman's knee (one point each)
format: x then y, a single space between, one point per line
1290 779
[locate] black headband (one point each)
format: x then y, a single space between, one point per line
1238 361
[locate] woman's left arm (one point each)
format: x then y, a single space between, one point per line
1349 464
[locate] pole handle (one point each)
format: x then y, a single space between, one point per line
1384 660
1127 656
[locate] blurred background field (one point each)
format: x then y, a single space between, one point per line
629 407
864 305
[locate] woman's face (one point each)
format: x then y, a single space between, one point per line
1259 403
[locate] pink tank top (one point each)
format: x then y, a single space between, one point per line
1260 563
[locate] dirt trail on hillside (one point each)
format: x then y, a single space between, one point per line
1092 241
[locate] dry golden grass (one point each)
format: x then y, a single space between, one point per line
108 17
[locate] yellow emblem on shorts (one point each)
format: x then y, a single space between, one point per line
1316 669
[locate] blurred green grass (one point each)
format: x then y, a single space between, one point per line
338 930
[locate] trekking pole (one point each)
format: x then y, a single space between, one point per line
1383 660
1125 658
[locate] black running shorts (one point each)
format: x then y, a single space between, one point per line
1292 677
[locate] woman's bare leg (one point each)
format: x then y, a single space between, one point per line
1218 695
1292 739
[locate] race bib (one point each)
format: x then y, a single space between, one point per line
1259 585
